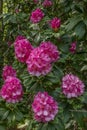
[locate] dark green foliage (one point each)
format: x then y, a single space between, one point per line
73 14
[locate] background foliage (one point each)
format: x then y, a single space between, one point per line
72 113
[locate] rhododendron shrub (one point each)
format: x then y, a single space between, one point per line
43 60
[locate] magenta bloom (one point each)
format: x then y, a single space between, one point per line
51 50
12 91
45 107
72 86
73 47
20 37
55 23
9 43
47 3
8 71
23 49
36 15
16 11
38 62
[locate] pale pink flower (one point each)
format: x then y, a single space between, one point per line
47 3
44 107
23 49
55 23
72 86
8 70
12 91
51 50
37 15
38 62
73 47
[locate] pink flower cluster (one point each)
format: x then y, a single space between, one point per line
8 71
55 23
73 48
38 62
12 91
47 3
50 49
40 59
36 15
72 86
45 107
23 48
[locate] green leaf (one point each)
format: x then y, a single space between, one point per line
12 19
37 38
11 117
18 115
80 30
2 111
84 98
79 116
85 21
73 22
40 126
45 127
5 115
79 8
56 75
34 86
29 127
84 68
61 125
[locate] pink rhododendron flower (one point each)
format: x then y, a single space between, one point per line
9 43
45 107
19 37
73 47
38 62
16 11
72 86
23 49
8 71
55 23
50 49
36 15
47 3
12 91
